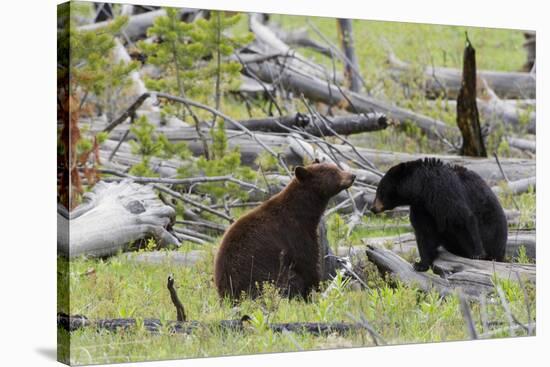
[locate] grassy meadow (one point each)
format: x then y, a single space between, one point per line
117 287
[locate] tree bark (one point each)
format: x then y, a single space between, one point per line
326 92
112 216
405 244
472 277
467 115
345 34
447 81
343 125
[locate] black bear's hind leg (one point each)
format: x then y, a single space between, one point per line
468 239
425 231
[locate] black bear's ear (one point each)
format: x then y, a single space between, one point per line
301 173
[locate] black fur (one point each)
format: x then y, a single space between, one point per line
450 206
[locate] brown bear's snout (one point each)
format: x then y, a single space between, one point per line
348 180
377 206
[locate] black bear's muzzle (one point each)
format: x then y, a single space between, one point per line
377 206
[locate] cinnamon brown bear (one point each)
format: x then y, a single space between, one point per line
277 241
450 206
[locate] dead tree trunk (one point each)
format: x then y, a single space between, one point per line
345 34
530 46
343 125
112 216
467 115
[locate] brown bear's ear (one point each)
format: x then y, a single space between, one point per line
301 173
316 160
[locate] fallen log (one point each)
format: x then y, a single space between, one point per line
517 187
267 42
250 149
471 277
300 38
523 144
155 326
447 81
111 217
320 90
494 110
405 244
343 125
137 25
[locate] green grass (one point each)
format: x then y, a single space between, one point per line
119 288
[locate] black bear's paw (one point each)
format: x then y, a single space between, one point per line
481 256
420 266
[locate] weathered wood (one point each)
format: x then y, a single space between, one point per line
320 90
467 115
137 24
77 322
494 110
343 125
471 277
530 46
180 310
267 42
405 244
486 167
345 34
447 81
518 187
299 37
111 217
523 144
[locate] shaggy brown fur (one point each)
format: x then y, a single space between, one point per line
277 241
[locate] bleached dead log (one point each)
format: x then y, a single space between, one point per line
267 42
405 244
252 86
137 24
523 144
471 277
112 216
495 110
308 153
447 81
343 125
299 37
317 89
121 55
518 187
486 167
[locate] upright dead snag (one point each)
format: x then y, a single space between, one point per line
345 33
467 115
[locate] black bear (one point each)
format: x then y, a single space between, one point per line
450 206
277 241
